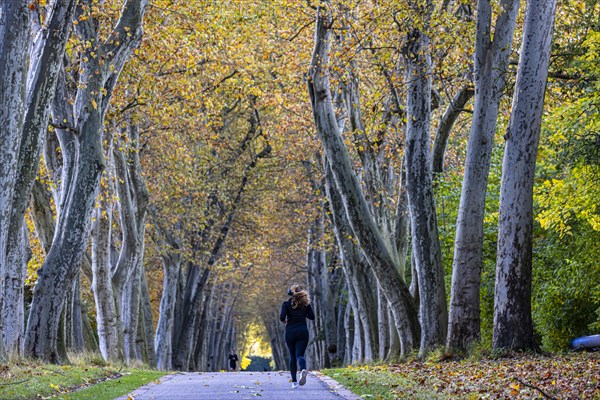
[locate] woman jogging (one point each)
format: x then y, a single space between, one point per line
294 313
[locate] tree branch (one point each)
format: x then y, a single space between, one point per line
546 395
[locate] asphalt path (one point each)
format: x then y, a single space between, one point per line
240 385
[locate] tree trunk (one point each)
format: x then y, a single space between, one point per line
456 106
182 353
327 280
341 338
42 215
394 351
63 260
89 338
513 326
76 324
100 74
107 317
13 314
14 40
384 339
381 256
276 331
163 341
133 200
47 52
348 332
491 65
355 271
148 333
130 310
425 241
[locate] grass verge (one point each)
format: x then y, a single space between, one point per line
515 376
30 380
379 383
114 388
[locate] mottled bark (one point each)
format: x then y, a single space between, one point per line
74 321
14 40
183 350
381 255
425 241
513 326
107 319
89 337
130 298
315 329
321 281
47 52
99 73
147 320
128 272
163 340
348 317
361 295
491 59
384 332
107 315
13 313
42 215
342 305
456 106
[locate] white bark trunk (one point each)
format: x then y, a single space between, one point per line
425 241
147 320
13 313
14 38
107 319
456 106
382 257
163 341
384 340
491 65
46 60
100 74
361 297
513 326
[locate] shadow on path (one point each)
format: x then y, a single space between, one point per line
240 385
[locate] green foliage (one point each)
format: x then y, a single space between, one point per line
575 124
566 295
565 202
566 292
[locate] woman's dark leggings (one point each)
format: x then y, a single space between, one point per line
296 339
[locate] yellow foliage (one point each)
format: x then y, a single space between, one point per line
562 201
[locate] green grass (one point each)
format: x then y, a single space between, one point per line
379 384
116 387
30 380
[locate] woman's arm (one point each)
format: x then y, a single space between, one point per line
283 312
309 312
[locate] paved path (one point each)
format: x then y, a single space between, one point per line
241 385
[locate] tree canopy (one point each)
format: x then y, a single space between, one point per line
169 168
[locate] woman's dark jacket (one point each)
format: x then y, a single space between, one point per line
295 316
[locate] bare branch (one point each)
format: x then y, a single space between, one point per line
546 395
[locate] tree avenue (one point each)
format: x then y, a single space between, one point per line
427 169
